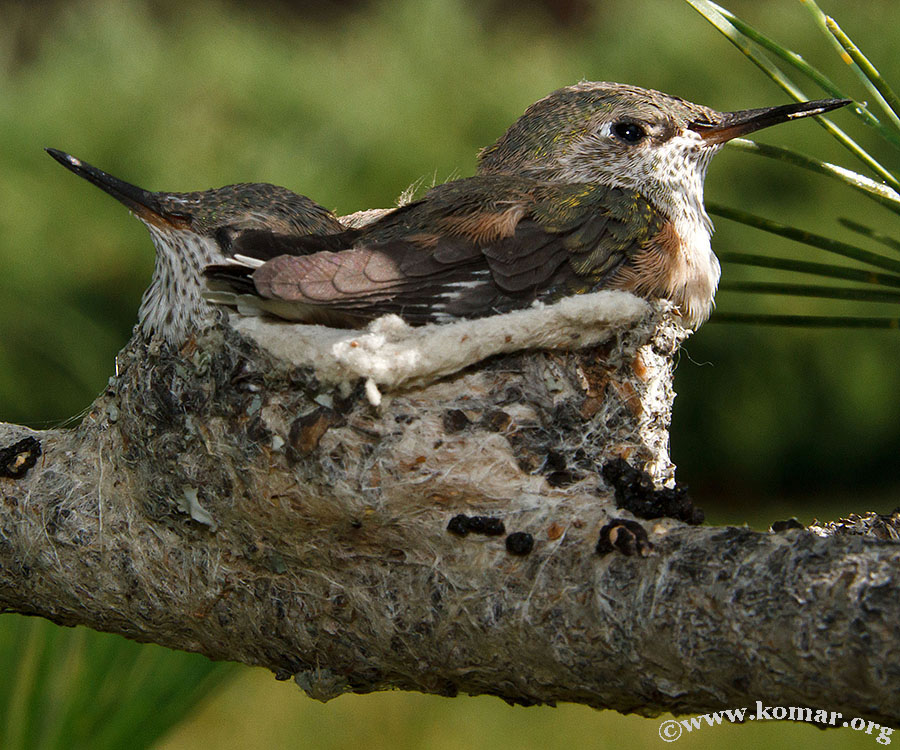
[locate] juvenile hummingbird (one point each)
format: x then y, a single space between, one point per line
596 186
192 230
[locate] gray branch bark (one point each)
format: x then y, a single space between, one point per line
225 501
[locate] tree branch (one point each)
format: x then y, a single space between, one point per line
228 500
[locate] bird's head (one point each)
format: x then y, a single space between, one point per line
217 214
627 136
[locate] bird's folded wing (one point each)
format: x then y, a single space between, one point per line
477 252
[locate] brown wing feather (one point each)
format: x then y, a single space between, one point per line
468 249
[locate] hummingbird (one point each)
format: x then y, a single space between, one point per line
596 186
192 230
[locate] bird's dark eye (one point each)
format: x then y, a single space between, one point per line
630 132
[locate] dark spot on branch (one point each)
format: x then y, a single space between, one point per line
18 458
486 525
459 525
462 524
519 543
635 492
622 535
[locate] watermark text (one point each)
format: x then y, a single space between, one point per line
672 729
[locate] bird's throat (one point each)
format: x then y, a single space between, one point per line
173 306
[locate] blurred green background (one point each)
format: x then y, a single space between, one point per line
350 103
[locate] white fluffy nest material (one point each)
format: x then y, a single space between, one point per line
389 353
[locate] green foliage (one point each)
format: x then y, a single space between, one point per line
68 689
807 432
885 122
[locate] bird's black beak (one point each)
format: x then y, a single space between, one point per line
735 124
142 203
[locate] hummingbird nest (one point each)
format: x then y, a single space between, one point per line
305 451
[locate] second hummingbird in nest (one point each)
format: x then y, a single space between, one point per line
597 186
192 230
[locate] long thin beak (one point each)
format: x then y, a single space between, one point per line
735 124
142 203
